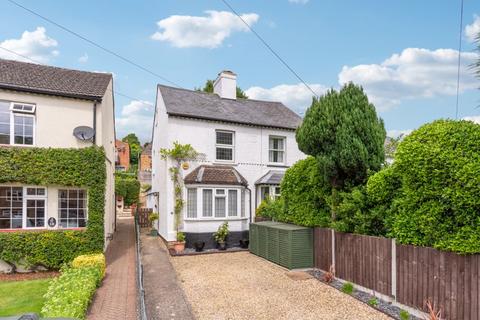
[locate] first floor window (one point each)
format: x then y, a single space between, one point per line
22 207
276 152
17 123
72 208
224 145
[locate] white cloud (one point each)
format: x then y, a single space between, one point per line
397 133
206 32
414 73
83 58
472 31
298 1
475 119
137 116
295 96
35 45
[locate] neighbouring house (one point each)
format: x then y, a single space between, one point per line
122 155
244 147
62 114
146 158
145 173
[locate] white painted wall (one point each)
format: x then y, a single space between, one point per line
55 119
250 155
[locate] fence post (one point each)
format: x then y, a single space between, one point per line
333 249
394 269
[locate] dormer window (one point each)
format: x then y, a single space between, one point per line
224 145
17 123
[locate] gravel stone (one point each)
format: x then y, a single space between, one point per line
243 286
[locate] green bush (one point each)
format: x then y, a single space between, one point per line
83 168
70 294
271 208
347 288
128 187
439 202
303 193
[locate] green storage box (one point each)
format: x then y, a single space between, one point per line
285 244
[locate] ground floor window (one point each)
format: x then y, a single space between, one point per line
269 191
72 206
22 207
214 203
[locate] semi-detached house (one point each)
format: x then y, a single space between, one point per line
244 147
40 106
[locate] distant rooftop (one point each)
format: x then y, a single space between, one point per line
36 78
209 106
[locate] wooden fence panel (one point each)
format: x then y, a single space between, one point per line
142 216
364 260
322 238
448 280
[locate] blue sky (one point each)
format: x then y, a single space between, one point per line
403 52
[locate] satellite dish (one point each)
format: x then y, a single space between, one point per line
83 133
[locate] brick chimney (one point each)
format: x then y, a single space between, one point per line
226 85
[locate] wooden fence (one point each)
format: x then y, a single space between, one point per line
142 216
410 275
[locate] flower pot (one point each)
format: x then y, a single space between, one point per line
179 246
222 245
244 243
199 245
153 232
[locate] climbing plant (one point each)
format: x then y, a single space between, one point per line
178 153
83 168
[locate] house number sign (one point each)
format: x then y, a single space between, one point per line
52 222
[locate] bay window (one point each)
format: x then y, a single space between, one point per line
215 203
17 123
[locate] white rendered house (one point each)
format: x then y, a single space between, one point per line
245 146
40 106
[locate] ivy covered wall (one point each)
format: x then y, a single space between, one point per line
83 168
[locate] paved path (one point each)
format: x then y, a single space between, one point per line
164 298
116 299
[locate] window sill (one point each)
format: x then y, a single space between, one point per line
17 145
215 219
224 162
277 165
43 229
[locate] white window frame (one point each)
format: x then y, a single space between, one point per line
59 208
225 146
26 197
23 113
271 192
214 189
278 150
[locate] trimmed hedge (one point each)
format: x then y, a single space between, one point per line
70 294
83 168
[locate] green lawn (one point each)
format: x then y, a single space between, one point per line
17 297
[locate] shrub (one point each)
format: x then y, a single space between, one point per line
180 236
439 170
373 302
128 187
221 233
347 288
404 315
90 260
271 208
70 294
303 195
84 168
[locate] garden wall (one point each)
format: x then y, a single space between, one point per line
408 274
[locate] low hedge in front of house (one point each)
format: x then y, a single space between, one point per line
70 294
81 168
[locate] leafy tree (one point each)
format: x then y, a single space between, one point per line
345 135
135 147
128 187
208 87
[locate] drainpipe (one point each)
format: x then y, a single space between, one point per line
250 206
94 139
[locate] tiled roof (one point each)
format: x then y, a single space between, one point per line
201 105
222 175
36 78
271 177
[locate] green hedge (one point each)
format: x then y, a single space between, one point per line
83 168
128 187
70 294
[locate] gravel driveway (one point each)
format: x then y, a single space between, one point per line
244 286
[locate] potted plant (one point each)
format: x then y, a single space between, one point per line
221 235
152 217
199 245
179 246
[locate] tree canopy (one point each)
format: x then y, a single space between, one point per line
135 147
208 87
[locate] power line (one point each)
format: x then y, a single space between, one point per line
38 62
129 61
269 48
459 57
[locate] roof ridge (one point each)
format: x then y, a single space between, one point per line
56 67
